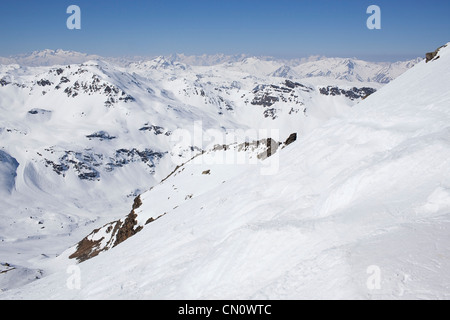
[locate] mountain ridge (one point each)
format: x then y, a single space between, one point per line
84 141
313 66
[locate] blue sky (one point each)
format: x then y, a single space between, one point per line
281 28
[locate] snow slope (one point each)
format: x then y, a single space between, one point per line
362 197
81 141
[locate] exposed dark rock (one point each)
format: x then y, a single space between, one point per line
58 168
430 56
267 95
87 249
270 113
155 129
293 85
265 100
113 93
292 138
39 111
44 83
280 89
91 176
263 97
127 98
128 228
352 94
124 157
84 164
4 83
102 135
137 202
64 80
118 231
108 89
433 55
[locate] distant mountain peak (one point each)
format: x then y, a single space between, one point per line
349 69
49 57
284 72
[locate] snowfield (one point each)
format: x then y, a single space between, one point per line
358 207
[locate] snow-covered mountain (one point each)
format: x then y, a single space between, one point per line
315 66
205 158
205 59
285 72
48 58
81 138
351 70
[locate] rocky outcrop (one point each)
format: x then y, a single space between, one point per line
87 248
4 82
88 164
291 139
431 56
95 85
293 85
109 236
43 83
129 227
39 111
352 94
101 135
287 92
265 100
156 130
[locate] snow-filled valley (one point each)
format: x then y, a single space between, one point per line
244 179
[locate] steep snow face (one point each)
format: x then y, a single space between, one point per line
8 172
358 207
